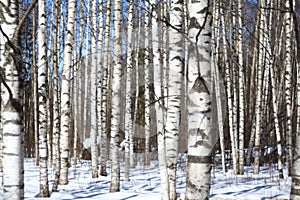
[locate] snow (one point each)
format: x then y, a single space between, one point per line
144 183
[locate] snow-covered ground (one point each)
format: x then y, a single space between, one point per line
144 184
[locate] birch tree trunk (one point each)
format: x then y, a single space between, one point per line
147 83
228 91
156 42
295 189
93 105
128 119
252 83
35 92
106 63
13 176
288 84
42 95
174 93
65 98
276 123
116 86
216 75
200 142
56 94
234 63
100 72
270 63
258 104
241 130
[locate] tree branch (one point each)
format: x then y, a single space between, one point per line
29 9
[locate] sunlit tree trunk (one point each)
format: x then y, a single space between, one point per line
295 188
288 84
106 63
35 96
42 95
56 104
241 89
93 77
216 75
147 83
100 72
228 90
115 101
270 63
234 63
156 42
65 97
276 122
252 84
201 140
128 119
174 93
258 104
13 170
135 57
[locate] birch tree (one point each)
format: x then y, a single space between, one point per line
106 63
93 68
65 98
288 84
174 92
159 105
13 176
56 94
216 76
128 119
241 89
295 188
200 142
42 95
116 86
258 104
147 83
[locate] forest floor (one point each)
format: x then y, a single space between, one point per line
144 183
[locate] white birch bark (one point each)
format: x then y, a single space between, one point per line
147 84
100 70
42 96
93 105
128 119
106 63
56 110
270 63
276 123
115 109
13 176
228 90
65 97
258 104
137 26
235 85
174 93
35 92
159 100
295 188
241 89
201 139
288 84
252 92
216 75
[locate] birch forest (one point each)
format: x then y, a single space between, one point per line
123 83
